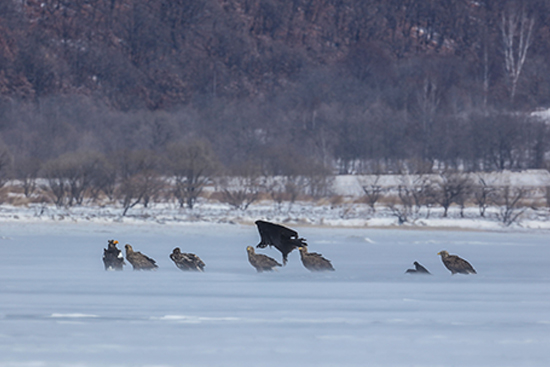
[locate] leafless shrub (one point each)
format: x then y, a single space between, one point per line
510 202
239 192
69 176
6 161
317 182
372 190
294 186
129 193
401 206
56 183
345 208
104 180
415 190
192 164
483 196
275 187
451 187
140 179
26 171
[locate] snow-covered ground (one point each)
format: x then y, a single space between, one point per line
343 214
58 307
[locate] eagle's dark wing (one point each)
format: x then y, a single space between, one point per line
141 262
316 262
420 268
188 261
458 265
273 234
282 238
262 262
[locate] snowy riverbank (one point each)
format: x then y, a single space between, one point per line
343 215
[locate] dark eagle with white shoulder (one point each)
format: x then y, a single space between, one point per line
456 264
186 261
282 238
138 260
314 262
261 262
112 256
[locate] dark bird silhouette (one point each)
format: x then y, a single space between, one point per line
261 262
456 264
186 261
314 262
419 269
284 239
112 256
138 260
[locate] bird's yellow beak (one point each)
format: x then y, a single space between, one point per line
115 242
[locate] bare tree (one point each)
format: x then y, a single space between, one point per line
318 183
140 188
104 180
6 161
56 183
130 193
192 164
449 188
510 202
373 191
402 208
140 178
516 29
70 176
26 171
483 195
417 190
240 192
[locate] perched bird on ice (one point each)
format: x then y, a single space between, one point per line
314 262
261 262
138 260
186 261
282 238
456 264
419 269
112 256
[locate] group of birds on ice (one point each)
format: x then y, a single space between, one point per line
276 235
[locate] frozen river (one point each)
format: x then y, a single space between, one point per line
58 307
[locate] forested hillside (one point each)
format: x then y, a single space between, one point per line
274 87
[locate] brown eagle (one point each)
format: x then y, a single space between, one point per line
112 256
419 269
456 264
261 262
186 261
314 262
138 260
284 239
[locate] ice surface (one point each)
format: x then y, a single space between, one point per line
58 307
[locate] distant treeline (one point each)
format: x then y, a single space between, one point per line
277 87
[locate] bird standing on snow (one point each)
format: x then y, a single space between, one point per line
456 264
314 262
261 262
138 260
284 239
186 261
419 269
112 256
